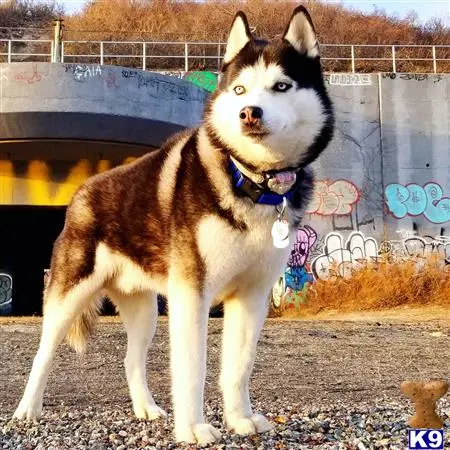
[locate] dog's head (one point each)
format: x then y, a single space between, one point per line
271 109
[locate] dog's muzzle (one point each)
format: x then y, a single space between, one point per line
251 116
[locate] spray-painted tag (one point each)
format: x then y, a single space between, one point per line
280 228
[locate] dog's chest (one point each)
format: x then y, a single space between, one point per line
231 254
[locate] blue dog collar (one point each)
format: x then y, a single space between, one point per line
259 193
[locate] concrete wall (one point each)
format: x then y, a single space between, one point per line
391 132
93 102
383 185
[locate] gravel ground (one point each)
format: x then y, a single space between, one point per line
324 384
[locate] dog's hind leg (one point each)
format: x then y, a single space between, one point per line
139 314
244 316
60 312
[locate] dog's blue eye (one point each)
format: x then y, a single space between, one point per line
239 90
282 87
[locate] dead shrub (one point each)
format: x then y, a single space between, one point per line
385 285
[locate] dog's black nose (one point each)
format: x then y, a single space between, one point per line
250 115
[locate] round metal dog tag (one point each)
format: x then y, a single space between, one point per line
280 233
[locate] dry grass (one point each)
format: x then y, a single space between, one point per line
211 20
180 20
387 285
19 14
169 20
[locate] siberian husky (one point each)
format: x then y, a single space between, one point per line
205 219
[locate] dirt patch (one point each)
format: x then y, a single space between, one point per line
402 314
356 359
324 384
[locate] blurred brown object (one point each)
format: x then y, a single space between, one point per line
424 395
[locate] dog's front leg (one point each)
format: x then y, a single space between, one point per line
188 320
244 317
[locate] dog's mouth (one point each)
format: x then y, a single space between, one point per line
258 131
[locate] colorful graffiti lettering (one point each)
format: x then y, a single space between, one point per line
333 198
40 183
294 298
205 80
304 241
296 275
292 286
341 259
414 200
5 294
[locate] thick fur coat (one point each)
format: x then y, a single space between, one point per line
173 222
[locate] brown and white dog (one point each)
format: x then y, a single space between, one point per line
193 221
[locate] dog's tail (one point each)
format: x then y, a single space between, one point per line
83 327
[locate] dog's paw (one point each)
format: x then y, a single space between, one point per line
28 411
245 426
201 434
148 411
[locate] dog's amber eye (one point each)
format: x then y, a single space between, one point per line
239 90
282 87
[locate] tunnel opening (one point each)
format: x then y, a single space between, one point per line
29 233
28 236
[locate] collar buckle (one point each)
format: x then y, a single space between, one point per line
272 188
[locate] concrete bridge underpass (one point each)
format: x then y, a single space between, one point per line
70 107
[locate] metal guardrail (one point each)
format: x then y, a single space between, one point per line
174 55
12 54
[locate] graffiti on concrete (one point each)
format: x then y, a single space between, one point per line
3 73
82 72
415 200
417 248
342 258
5 294
110 79
49 183
333 198
291 289
29 77
158 87
349 79
296 274
414 76
204 79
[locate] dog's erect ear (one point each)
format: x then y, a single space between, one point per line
239 36
300 33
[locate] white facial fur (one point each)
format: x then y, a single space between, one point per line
294 118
